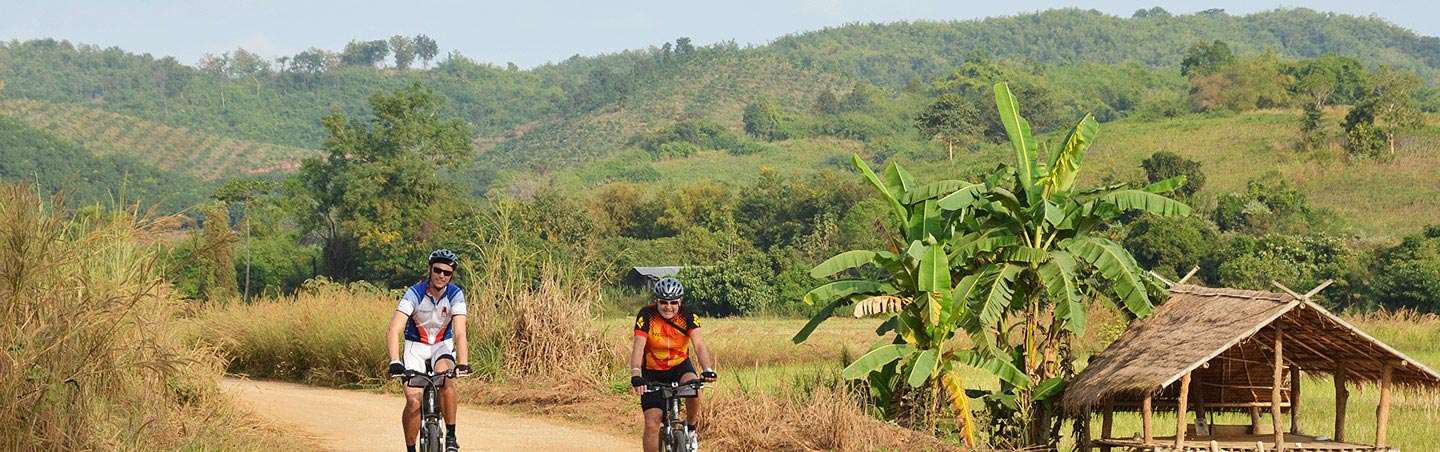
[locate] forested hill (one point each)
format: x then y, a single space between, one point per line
896 53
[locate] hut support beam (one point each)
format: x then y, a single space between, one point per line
1295 400
1342 396
1180 411
1107 422
1275 396
1145 418
1382 413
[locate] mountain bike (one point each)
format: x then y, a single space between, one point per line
673 437
432 421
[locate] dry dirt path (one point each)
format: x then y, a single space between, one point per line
340 420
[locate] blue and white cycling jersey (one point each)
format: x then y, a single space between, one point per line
430 318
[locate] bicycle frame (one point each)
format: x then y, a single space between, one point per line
672 426
432 425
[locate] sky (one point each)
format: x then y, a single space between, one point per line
535 32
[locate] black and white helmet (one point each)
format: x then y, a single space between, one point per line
669 289
444 256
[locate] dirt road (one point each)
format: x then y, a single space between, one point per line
339 420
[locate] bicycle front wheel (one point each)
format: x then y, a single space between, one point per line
431 438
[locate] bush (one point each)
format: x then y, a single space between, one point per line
733 286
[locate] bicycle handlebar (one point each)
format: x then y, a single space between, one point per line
651 386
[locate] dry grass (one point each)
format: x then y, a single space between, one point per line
89 362
824 418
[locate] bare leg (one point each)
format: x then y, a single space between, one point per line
651 440
410 418
447 393
692 406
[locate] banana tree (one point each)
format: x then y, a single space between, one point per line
910 284
1013 254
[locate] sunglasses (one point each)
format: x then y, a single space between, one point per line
667 302
438 271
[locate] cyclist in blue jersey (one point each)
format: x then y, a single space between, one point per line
432 318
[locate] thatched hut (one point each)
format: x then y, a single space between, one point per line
1213 350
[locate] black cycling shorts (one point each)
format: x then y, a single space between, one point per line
652 399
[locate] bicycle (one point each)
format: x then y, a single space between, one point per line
432 421
673 437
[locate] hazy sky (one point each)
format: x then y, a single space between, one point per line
534 32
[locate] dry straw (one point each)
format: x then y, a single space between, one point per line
87 362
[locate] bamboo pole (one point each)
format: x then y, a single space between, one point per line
1145 421
1107 423
1382 414
1254 420
1295 400
1180 411
1342 396
1275 386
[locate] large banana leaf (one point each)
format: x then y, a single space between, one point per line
1065 165
898 180
819 317
1118 267
924 367
901 215
1020 139
927 221
934 283
1000 367
877 358
963 197
955 392
996 293
848 260
1165 186
1150 202
1061 278
933 190
847 287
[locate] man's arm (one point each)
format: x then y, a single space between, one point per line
392 335
462 347
637 361
702 353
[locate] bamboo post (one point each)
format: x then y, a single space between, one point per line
1342 396
1145 421
1295 400
1107 423
1275 395
1382 413
1180 411
1254 420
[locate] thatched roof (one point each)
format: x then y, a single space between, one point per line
1226 337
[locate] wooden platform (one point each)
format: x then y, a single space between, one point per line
1236 443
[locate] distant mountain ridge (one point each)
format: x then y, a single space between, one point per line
893 54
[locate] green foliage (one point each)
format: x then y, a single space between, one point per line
735 286
1206 58
371 228
1166 165
1412 273
1170 246
687 137
56 165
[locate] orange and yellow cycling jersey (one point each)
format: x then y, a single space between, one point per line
665 345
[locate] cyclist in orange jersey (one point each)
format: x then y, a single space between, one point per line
665 333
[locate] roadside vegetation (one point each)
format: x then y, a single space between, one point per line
90 358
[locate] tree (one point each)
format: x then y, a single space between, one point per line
1387 109
1205 59
366 53
762 120
1004 259
376 199
403 48
426 49
683 48
1166 165
949 119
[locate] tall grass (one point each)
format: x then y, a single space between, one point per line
523 327
88 362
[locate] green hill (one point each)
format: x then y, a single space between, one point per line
896 53
58 165
173 149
